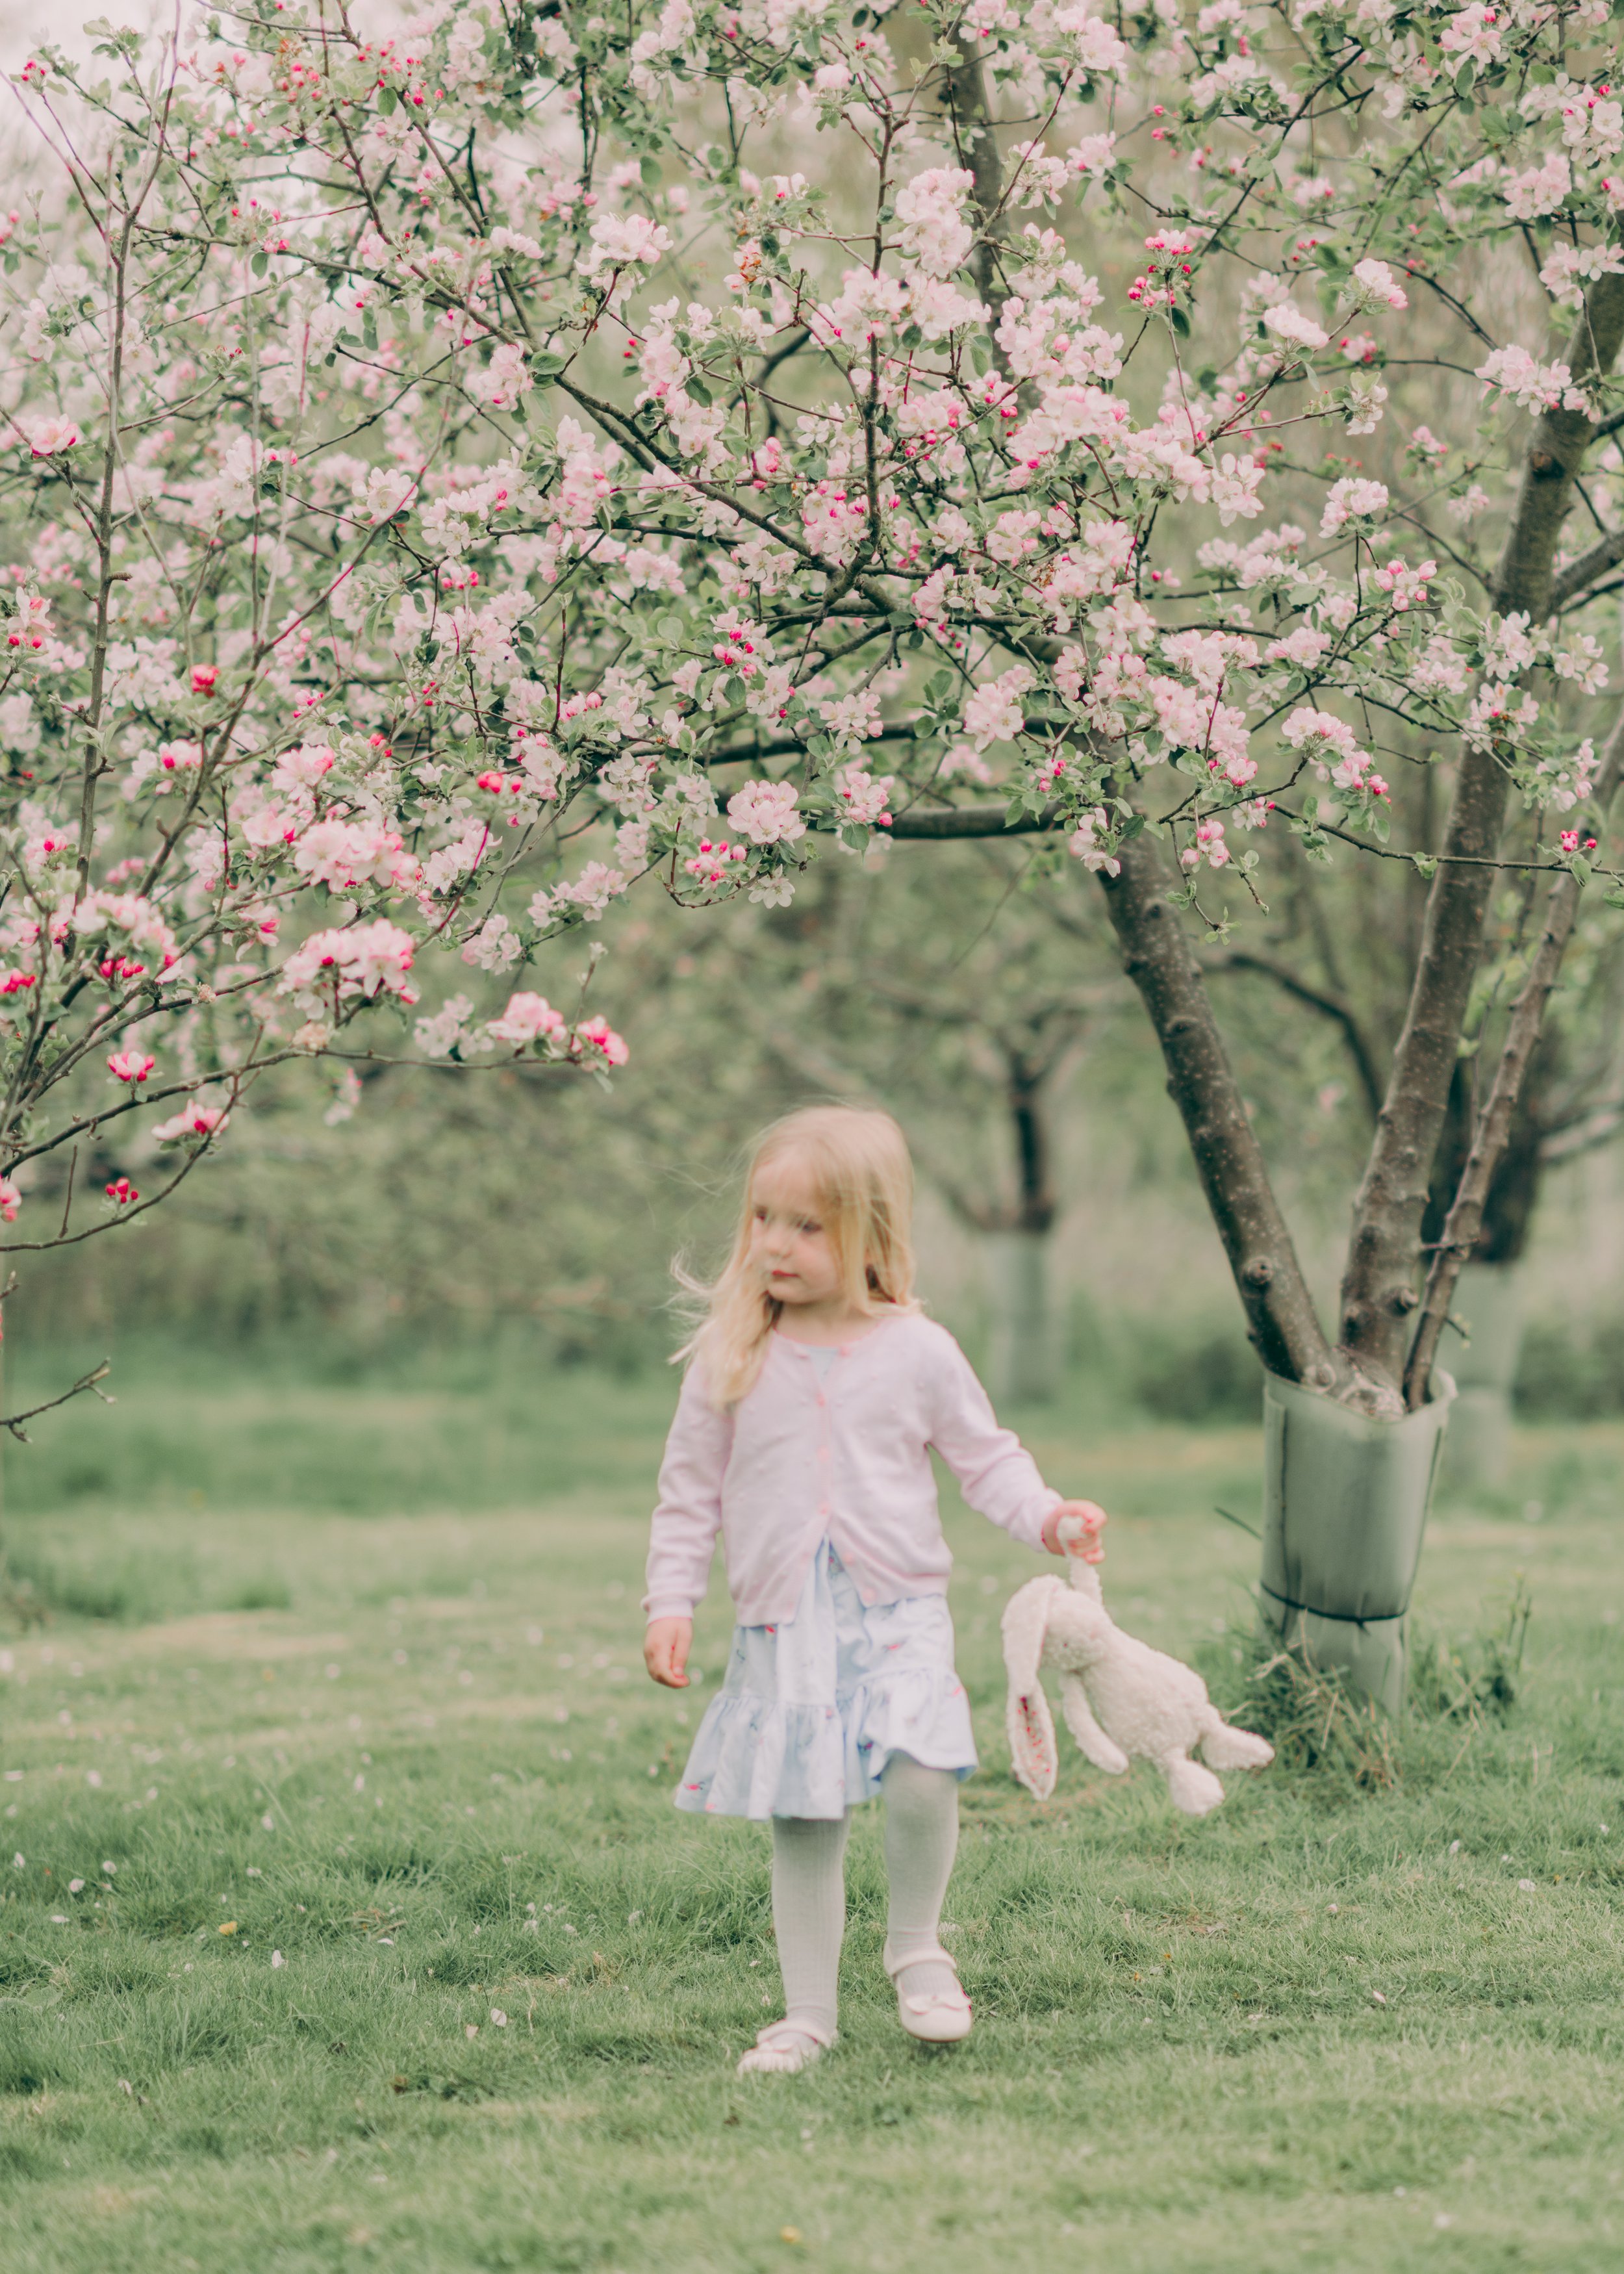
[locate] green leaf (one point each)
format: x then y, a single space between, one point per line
259 264
1581 867
1466 78
695 386
981 354
386 100
1426 865
547 365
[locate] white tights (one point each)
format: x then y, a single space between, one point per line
808 1889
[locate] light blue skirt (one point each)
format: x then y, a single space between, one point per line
812 1709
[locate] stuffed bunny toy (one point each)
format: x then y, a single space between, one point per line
1122 1701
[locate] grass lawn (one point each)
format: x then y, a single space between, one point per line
350 1772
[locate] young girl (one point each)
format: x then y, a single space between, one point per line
815 1388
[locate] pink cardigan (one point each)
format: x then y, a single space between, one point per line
848 1457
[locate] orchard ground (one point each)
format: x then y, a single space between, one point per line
351 1675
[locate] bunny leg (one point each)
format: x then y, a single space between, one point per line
1092 1740
1192 1789
1234 1749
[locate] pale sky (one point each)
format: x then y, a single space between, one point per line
61 21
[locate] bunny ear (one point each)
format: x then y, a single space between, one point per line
1033 1751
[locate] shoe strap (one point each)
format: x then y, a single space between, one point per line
936 2001
813 2032
936 1956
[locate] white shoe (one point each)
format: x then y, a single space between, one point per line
785 2047
936 2017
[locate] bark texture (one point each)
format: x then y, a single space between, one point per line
1378 1293
1494 1121
1280 1311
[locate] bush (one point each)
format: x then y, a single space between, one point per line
1570 1374
1196 1371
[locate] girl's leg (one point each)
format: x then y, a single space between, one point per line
921 1837
808 1918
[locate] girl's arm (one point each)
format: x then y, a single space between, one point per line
688 1514
996 1472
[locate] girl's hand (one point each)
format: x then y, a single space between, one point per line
1093 1518
665 1651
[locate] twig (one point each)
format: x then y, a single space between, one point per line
14 1421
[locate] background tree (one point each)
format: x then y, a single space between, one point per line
961 989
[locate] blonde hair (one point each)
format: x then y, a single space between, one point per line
858 1160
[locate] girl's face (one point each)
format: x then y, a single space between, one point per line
789 1243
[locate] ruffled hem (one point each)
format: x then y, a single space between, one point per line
753 1758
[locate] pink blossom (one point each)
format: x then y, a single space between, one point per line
934 230
1093 155
1539 190
1208 847
195 1119
1352 499
47 437
11 1200
618 239
1405 587
366 959
597 1033
1475 32
1090 39
131 1065
995 712
1373 287
1287 322
764 812
304 767
1084 844
528 1019
1536 386
865 798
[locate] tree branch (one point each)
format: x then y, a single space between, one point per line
1493 1124
1595 561
1384 1249
14 1421
1329 1007
971 821
1595 1129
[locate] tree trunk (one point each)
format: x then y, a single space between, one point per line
1280 1311
1378 1292
1022 1357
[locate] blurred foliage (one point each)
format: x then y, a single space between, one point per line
534 1213
1573 1369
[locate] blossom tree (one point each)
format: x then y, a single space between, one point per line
458 476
